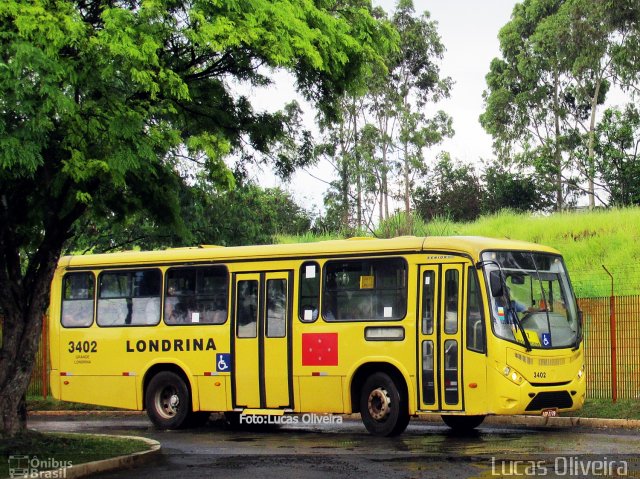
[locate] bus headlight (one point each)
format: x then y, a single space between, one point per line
512 374
581 372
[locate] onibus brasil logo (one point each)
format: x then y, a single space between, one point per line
34 467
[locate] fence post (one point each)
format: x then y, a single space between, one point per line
614 342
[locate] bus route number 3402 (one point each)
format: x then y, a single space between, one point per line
540 375
83 347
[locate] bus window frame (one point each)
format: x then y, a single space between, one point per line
165 287
94 313
126 270
323 288
319 276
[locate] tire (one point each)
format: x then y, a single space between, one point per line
168 401
462 423
384 410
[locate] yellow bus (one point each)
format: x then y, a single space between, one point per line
461 327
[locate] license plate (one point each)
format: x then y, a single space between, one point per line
551 412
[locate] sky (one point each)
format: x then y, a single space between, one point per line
469 30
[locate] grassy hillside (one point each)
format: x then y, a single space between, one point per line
587 241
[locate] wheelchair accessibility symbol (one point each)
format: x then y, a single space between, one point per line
223 362
546 340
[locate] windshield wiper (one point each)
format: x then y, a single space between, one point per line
514 317
505 295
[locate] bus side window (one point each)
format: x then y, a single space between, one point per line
475 322
451 302
196 295
129 298
77 300
309 298
365 290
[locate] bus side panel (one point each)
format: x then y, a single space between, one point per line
475 382
54 334
321 394
213 393
112 391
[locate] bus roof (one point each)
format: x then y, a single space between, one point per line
469 245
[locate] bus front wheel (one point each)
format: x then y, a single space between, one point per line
384 410
168 401
462 423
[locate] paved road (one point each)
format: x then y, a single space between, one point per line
425 450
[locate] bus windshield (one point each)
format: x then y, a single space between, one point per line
532 301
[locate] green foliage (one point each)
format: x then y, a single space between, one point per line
73 448
587 240
559 59
108 109
450 190
606 408
504 189
617 154
379 140
247 214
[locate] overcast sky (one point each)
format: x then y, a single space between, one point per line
469 30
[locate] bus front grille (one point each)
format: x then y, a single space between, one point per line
559 399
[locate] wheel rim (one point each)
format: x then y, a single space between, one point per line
379 404
167 402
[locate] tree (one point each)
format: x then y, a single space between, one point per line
504 189
524 103
559 60
415 81
450 190
247 214
101 102
617 155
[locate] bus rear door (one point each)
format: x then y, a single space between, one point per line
261 348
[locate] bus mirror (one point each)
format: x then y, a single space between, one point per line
495 282
517 279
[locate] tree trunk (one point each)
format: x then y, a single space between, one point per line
24 299
407 186
356 154
21 336
385 186
592 136
557 152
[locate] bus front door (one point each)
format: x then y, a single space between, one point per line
440 337
262 366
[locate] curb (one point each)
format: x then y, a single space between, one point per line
536 421
525 421
85 413
112 464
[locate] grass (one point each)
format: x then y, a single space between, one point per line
606 408
55 450
587 239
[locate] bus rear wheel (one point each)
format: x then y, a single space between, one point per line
462 423
168 401
384 410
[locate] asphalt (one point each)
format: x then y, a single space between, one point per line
144 457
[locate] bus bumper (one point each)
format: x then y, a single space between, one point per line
518 396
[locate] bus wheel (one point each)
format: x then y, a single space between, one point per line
384 411
168 401
462 423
